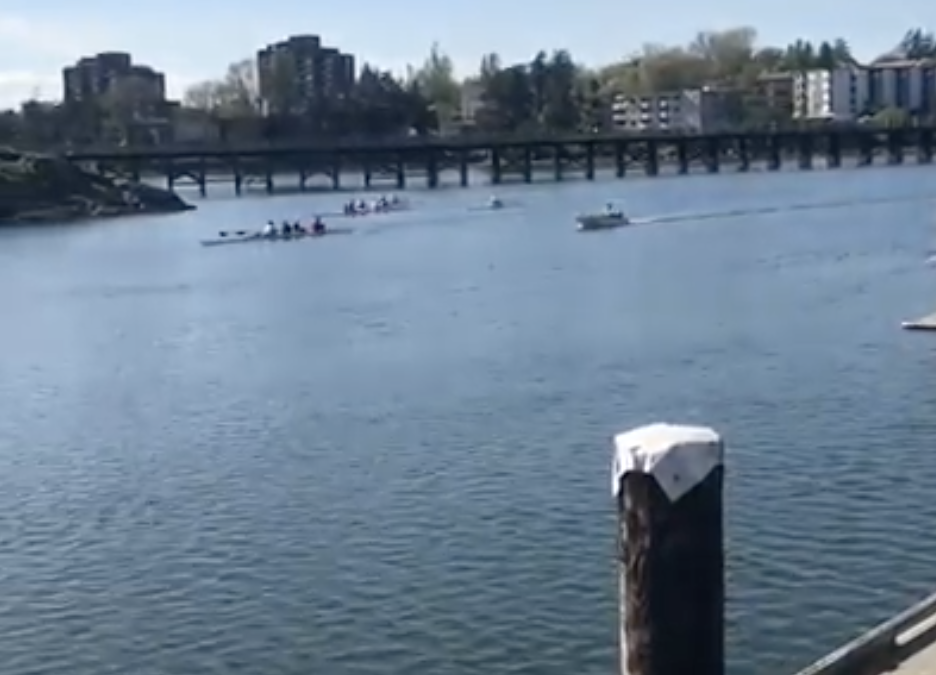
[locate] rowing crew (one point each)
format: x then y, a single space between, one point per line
290 229
360 206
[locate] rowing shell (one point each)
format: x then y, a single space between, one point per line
258 237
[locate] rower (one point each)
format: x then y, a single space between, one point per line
269 230
318 227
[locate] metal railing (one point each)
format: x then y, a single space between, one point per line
885 647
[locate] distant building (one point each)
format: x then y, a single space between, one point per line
688 111
96 76
849 93
471 101
905 85
835 95
303 72
771 99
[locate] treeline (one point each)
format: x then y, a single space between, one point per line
552 93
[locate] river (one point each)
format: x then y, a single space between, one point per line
389 452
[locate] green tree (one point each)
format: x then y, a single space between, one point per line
917 44
435 80
891 117
561 103
236 95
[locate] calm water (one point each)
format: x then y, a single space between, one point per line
389 452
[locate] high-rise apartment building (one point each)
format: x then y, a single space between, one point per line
95 76
301 72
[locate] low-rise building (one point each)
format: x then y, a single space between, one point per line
837 95
689 111
771 100
849 93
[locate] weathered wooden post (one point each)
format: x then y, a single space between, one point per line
668 483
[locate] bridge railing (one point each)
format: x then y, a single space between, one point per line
460 142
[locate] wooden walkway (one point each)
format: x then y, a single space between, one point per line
905 645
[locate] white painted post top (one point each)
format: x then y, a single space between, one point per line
678 457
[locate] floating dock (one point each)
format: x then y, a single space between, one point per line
926 323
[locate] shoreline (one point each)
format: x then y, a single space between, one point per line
45 189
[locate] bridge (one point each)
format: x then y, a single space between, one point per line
512 156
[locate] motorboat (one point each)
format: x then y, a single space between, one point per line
602 221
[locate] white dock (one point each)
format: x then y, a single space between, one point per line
926 323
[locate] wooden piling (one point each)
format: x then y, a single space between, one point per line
668 483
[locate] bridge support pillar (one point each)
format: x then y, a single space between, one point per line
682 157
652 160
713 153
620 159
925 147
895 147
401 172
463 168
432 170
804 151
834 152
865 150
202 178
590 161
744 155
336 172
774 150
495 166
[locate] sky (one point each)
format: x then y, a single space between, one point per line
192 42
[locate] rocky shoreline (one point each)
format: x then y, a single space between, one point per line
49 189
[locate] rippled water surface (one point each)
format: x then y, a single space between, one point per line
389 452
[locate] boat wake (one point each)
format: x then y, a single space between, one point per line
768 210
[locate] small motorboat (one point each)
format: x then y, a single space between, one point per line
602 221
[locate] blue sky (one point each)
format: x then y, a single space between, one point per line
191 41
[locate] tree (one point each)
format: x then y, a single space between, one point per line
435 80
891 117
127 101
917 44
560 105
236 95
